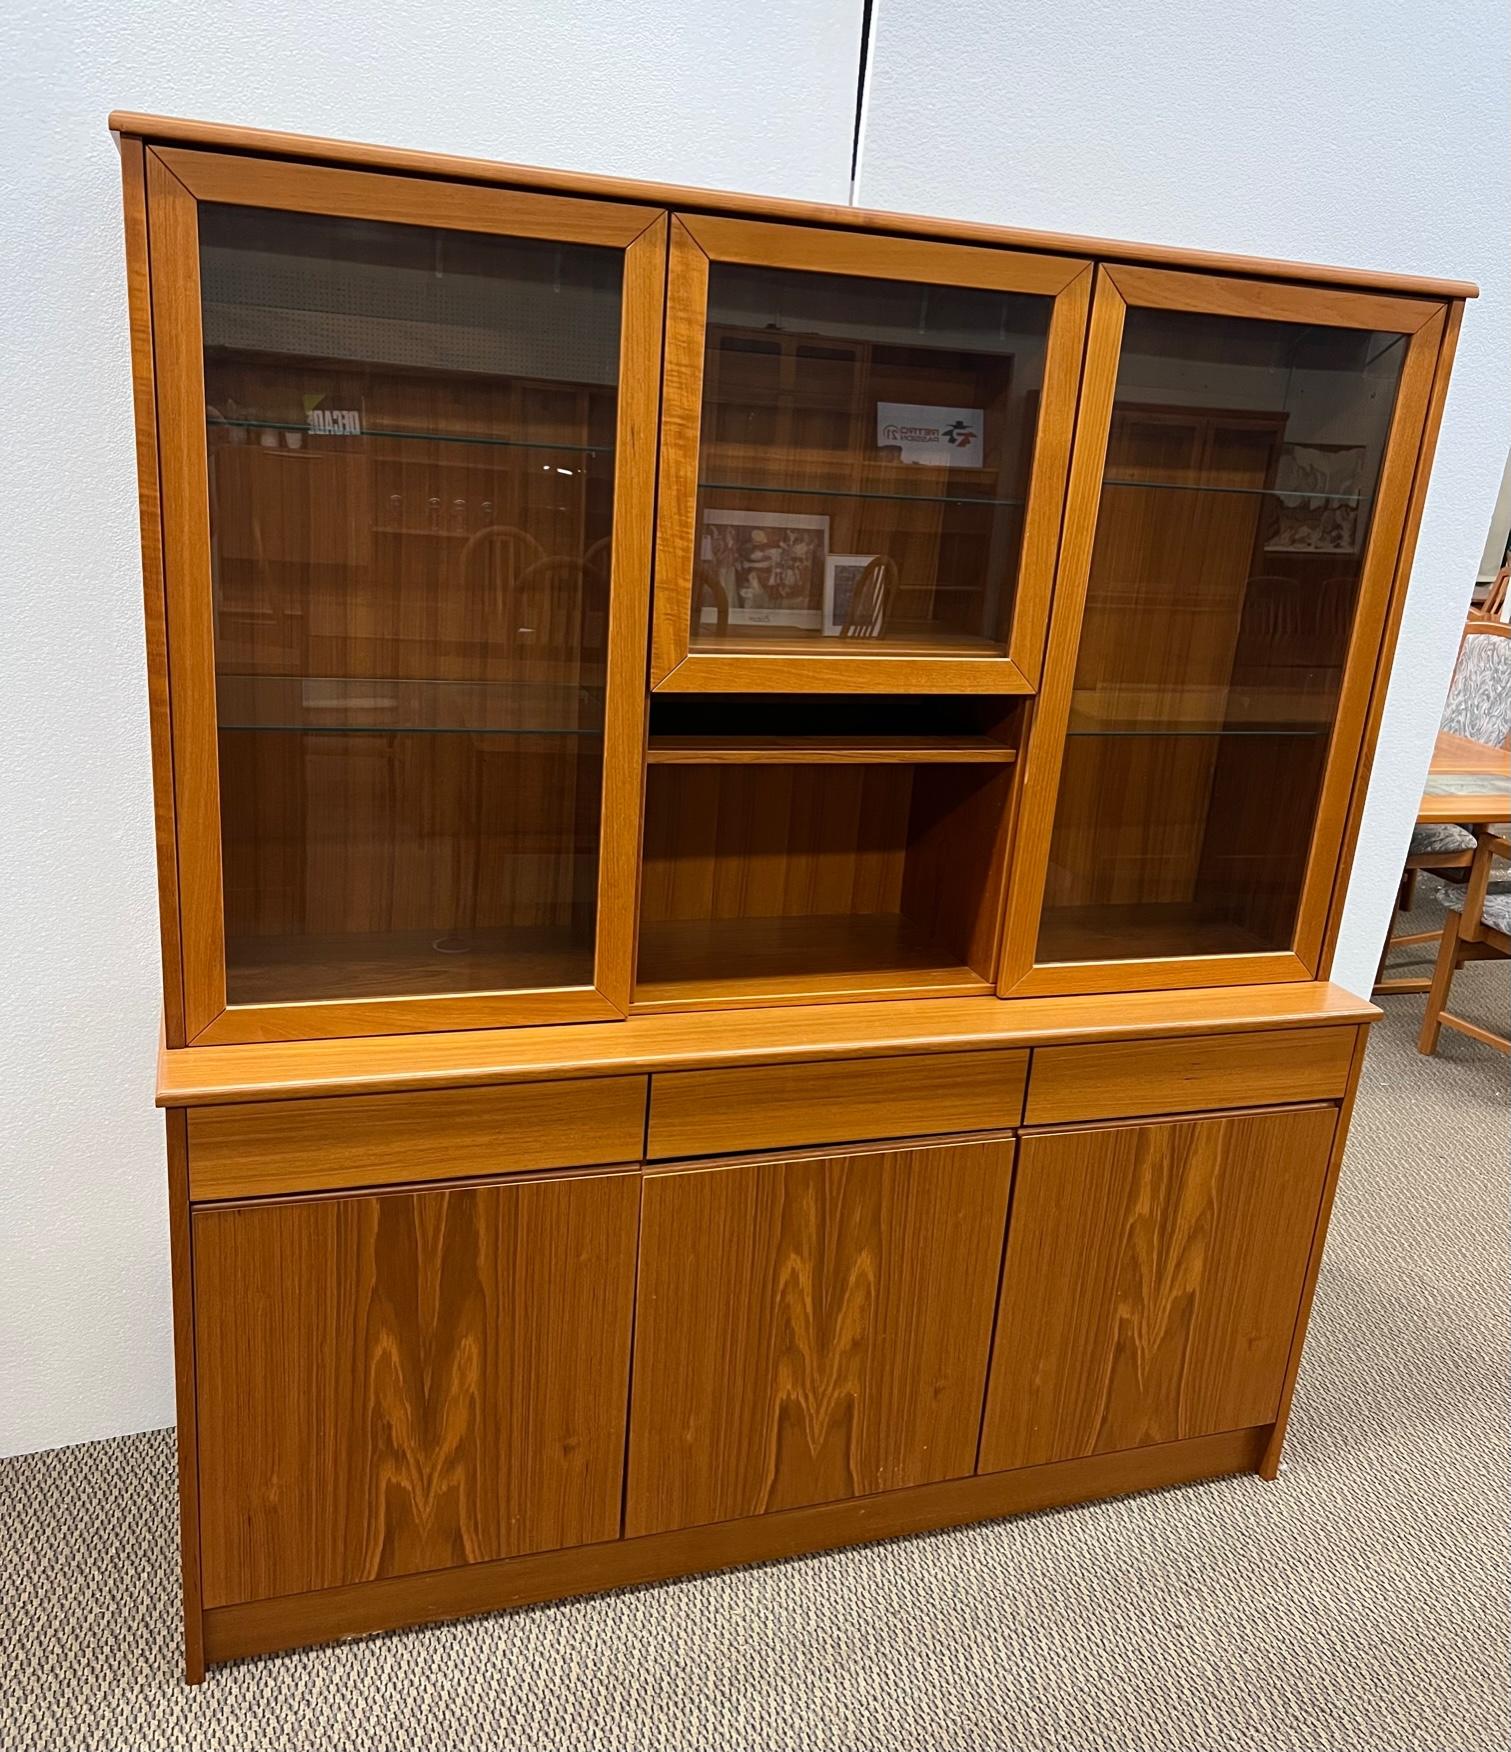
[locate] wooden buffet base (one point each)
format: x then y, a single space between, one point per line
263 1627
700 1266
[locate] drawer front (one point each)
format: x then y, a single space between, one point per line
1128 1078
835 1101
249 1149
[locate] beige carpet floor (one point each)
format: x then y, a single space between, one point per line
1360 1602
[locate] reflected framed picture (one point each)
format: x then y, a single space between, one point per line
842 575
1319 490
768 566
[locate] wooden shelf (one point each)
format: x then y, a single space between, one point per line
685 962
827 751
297 969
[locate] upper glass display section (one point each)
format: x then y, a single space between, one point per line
1239 486
864 463
410 440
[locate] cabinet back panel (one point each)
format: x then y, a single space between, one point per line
767 842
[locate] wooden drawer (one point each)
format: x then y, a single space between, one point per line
1124 1079
833 1101
244 1150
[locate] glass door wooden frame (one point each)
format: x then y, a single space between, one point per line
1117 288
177 181
696 242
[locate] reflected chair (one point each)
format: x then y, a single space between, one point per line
1478 928
494 557
871 602
1479 708
708 592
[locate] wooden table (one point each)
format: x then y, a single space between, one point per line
1468 782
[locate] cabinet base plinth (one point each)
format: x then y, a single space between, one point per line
292 1621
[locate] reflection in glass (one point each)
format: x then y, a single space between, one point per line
411 452
864 465
1242 467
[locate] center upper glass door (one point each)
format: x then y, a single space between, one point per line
858 492
412 442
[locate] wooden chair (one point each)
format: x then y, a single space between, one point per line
1478 928
1479 707
1493 608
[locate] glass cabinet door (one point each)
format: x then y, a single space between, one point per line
1248 454
858 491
394 594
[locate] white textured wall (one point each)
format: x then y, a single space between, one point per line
698 91
1370 133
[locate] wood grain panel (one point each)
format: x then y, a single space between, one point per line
1190 1244
879 258
178 356
265 1625
1385 657
356 194
403 1382
1124 1079
635 463
811 1329
181 1258
1040 773
228 137
244 1151
783 1034
1270 1465
1266 301
149 510
826 750
843 1101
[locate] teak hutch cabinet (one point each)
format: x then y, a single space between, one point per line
752 809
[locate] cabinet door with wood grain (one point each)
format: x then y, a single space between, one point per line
1152 1282
410 1381
811 1328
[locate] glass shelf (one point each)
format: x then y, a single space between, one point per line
378 705
852 493
1250 492
415 437
926 640
403 730
1208 730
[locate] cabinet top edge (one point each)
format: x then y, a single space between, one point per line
196 1076
227 137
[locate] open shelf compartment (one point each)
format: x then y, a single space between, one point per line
765 883
794 729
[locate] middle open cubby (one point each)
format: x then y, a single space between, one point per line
823 847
